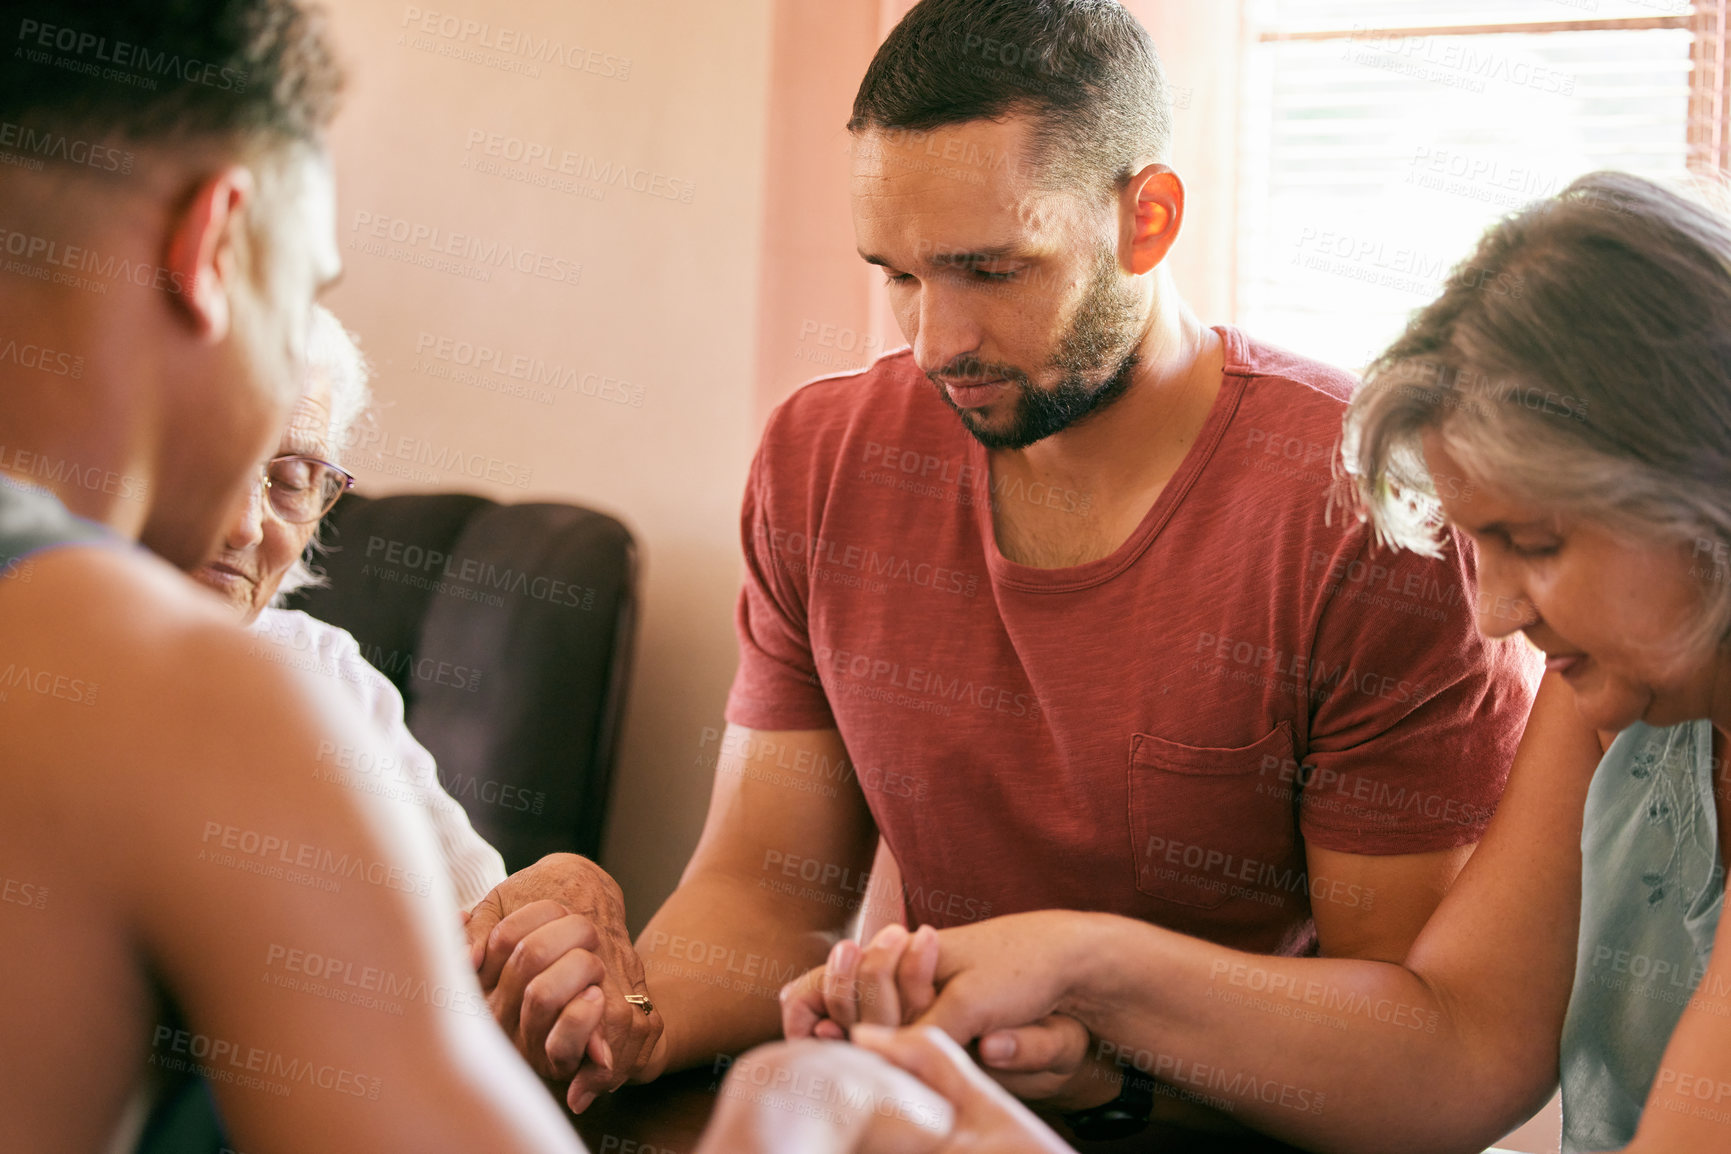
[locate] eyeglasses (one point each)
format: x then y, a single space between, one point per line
301 490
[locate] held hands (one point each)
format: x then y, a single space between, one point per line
987 1119
889 983
908 1091
1000 985
550 948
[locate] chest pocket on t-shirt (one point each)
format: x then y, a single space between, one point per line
1206 824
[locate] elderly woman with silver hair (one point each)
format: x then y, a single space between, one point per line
1566 404
561 908
263 559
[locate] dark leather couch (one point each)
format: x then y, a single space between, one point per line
508 629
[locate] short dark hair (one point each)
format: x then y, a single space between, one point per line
254 72
1085 68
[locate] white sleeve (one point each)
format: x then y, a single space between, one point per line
474 866
406 769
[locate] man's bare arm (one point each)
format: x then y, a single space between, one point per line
1373 907
774 881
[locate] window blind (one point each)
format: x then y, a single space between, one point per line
1381 137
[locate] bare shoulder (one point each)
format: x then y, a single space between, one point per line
99 635
122 609
133 699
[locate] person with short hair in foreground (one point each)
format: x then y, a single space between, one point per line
263 556
1580 433
159 800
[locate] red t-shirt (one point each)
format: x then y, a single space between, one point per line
1156 733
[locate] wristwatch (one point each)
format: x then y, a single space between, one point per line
1122 1117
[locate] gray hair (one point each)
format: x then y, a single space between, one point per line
334 353
1581 357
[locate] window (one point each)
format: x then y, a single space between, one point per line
1382 136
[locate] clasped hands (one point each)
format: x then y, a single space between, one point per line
988 985
550 948
551 951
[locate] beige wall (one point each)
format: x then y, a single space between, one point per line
691 316
663 315
1198 43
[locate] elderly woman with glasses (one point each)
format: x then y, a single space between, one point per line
262 559
564 911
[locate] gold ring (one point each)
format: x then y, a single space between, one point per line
642 1002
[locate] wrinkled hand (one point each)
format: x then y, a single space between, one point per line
893 982
550 947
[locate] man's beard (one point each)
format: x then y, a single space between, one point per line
1097 356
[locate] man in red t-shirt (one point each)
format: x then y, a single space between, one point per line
1052 600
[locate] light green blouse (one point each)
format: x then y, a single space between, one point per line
1652 887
